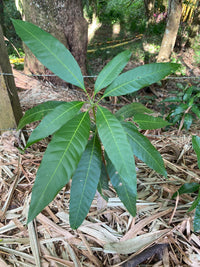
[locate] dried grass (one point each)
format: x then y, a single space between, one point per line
109 236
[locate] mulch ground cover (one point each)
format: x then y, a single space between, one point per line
160 235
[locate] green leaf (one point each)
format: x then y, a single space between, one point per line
197 217
130 110
187 188
195 203
103 182
188 94
84 183
126 190
187 121
147 122
196 147
50 52
172 99
54 120
142 76
110 72
38 112
143 149
196 111
59 162
116 145
179 110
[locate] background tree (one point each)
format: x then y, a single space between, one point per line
65 21
10 109
169 38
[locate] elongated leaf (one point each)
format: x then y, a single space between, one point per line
50 52
59 162
112 70
187 121
197 216
84 183
147 122
143 149
126 190
54 120
187 188
139 77
196 146
103 182
188 94
173 99
195 203
179 110
38 112
130 110
116 145
196 110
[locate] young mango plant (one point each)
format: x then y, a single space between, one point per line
90 149
189 188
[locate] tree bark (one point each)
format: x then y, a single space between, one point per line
149 8
10 109
169 38
65 21
194 28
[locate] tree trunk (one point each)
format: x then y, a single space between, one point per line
149 8
10 109
169 38
65 21
194 28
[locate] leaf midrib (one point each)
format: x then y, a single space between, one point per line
120 155
82 86
124 84
60 161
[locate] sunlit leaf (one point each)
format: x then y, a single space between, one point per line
50 52
110 72
137 78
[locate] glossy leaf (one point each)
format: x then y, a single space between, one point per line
188 94
126 190
59 162
187 188
143 149
116 145
196 147
147 122
110 72
187 121
195 203
84 183
133 80
54 120
50 52
38 112
130 110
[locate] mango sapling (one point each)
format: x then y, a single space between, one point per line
85 147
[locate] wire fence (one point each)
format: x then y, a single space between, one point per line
87 76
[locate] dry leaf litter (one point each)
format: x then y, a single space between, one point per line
160 235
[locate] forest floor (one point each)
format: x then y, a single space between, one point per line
160 235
